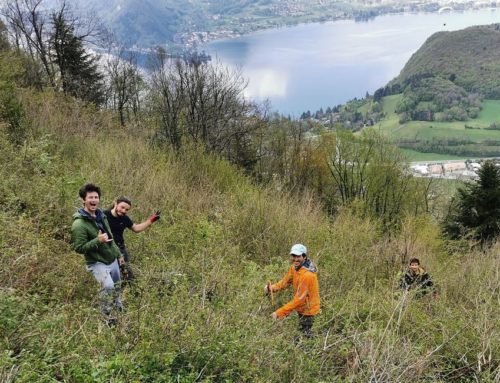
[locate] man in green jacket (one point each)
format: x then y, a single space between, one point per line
91 236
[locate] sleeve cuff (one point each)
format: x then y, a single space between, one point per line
280 313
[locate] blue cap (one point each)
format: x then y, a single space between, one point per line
298 249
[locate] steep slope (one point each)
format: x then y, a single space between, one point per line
198 311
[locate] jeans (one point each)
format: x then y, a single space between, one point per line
108 277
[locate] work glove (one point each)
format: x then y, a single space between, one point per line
154 217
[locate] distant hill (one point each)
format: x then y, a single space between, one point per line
146 22
470 58
151 22
446 99
448 77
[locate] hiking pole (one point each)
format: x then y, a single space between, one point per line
270 292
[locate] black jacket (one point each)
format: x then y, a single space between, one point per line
421 281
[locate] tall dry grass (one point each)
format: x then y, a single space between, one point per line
198 312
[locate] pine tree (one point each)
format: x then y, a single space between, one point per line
477 207
78 69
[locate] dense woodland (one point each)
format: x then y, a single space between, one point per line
237 186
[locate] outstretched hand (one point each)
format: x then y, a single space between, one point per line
154 217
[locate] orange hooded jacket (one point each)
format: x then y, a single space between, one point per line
305 290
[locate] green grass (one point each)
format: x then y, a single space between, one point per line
427 130
490 112
415 156
390 123
364 108
198 312
389 103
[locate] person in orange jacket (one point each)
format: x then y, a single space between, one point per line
302 275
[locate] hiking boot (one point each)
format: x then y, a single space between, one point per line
111 322
119 306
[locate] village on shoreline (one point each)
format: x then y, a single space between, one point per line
289 14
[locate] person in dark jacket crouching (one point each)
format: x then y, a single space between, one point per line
417 278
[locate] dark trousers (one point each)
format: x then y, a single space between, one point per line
126 271
305 325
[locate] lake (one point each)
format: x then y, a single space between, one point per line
309 66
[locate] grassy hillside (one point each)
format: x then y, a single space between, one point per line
199 313
413 155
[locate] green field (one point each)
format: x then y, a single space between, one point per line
414 156
490 112
428 130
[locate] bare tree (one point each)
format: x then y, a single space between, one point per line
29 27
204 102
348 163
4 38
167 97
368 168
125 82
215 103
40 32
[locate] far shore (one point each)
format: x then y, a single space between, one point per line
196 39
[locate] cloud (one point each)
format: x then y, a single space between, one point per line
266 83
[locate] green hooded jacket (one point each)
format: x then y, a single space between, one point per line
84 231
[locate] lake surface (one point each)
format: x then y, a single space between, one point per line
309 66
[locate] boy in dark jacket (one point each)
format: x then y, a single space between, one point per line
91 236
416 278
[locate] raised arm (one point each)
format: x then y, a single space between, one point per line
138 227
